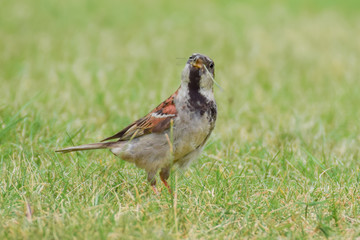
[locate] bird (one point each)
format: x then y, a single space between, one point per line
173 133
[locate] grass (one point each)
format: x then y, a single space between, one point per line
283 161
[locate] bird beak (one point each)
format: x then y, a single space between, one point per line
198 63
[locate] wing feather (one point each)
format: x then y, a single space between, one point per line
157 121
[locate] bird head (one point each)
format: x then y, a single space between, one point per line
199 72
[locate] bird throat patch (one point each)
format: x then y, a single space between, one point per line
198 102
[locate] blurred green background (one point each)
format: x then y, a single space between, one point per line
283 159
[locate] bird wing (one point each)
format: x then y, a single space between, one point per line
156 121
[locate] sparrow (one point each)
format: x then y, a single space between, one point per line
175 132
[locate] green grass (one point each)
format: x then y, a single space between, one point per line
283 161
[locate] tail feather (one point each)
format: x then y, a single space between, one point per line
90 146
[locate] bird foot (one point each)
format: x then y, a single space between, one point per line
166 185
153 187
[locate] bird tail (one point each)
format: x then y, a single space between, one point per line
90 146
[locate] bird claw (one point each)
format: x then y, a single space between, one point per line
153 187
155 190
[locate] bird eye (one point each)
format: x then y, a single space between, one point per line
211 65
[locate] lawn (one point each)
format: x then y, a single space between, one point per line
282 162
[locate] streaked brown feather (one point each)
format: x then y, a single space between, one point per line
150 123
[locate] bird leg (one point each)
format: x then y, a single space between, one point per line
164 175
152 180
153 187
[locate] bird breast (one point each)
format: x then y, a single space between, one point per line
192 126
